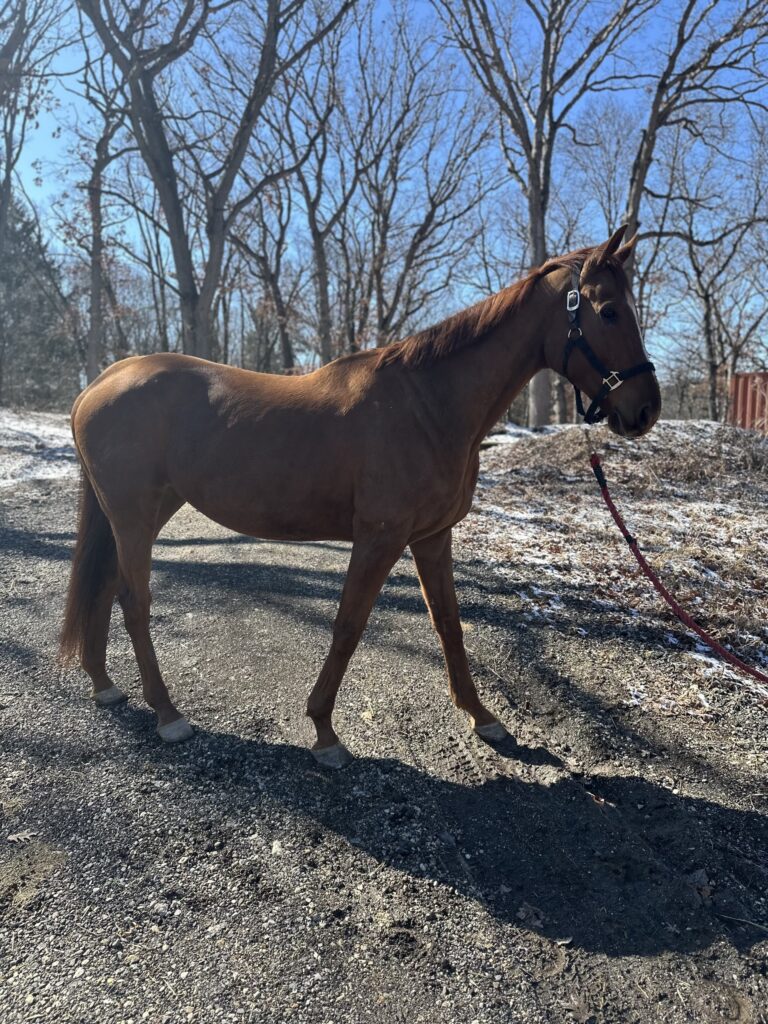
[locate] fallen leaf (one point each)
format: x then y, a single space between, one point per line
21 837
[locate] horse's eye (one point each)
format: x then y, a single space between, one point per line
608 313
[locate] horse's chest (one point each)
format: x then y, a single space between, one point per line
467 489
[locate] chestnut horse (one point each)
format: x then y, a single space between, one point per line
379 448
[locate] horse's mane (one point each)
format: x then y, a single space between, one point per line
473 324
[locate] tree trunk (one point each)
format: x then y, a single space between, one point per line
286 349
148 129
561 402
200 342
640 169
540 388
224 329
712 362
323 299
123 348
94 353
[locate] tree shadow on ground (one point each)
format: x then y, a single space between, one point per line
621 866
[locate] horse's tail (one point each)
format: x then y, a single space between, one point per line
93 566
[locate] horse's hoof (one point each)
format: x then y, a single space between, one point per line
109 698
493 732
336 756
176 731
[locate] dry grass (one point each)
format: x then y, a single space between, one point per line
695 496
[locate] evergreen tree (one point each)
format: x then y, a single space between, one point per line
39 358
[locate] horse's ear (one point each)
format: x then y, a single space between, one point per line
627 249
613 243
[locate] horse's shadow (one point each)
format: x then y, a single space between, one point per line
618 865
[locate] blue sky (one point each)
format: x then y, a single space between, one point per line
47 152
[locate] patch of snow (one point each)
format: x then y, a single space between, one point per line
35 446
536 524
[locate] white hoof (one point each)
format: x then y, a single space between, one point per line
175 732
109 698
493 732
336 756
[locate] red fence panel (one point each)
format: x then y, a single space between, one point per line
749 401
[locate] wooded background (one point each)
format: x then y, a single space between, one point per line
273 183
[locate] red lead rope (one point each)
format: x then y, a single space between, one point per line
684 617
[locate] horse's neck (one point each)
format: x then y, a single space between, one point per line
477 383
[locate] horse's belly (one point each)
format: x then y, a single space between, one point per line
272 528
277 517
267 483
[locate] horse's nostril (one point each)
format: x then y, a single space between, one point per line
645 416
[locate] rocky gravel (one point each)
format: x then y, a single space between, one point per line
607 866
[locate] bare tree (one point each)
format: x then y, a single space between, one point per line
145 40
535 90
385 174
723 272
267 226
708 63
408 228
328 162
14 27
105 100
29 42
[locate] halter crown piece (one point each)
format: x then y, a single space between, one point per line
612 379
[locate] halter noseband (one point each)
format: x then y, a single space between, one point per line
612 379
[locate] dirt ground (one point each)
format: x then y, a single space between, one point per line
609 865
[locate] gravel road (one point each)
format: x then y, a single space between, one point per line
595 870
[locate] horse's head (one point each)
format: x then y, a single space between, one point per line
598 345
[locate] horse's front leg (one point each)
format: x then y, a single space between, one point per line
434 563
374 552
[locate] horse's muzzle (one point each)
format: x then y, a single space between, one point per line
621 424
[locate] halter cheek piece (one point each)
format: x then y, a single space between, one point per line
612 379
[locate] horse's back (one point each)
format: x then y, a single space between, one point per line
260 453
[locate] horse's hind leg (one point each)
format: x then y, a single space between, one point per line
372 558
94 657
134 551
434 564
96 563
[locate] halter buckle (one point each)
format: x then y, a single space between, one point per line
573 300
613 380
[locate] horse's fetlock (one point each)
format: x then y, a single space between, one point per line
317 710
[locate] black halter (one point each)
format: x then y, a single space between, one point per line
612 379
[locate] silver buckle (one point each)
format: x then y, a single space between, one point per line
573 300
613 380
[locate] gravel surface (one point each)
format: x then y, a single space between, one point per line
608 866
